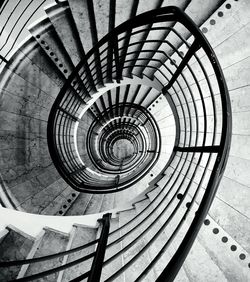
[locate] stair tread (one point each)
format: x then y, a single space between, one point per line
14 246
82 236
116 264
152 194
94 204
50 42
80 14
81 201
63 22
108 202
51 242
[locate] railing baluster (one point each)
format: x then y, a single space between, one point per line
194 47
3 59
67 113
96 268
117 61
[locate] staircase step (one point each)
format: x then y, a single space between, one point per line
182 275
67 49
80 14
141 263
51 44
81 236
124 11
117 263
52 242
101 10
3 233
204 268
39 201
62 203
144 207
128 218
63 22
39 65
152 194
80 205
15 245
94 205
108 202
163 181
157 245
208 267
212 247
144 259
35 69
31 254
226 217
221 249
159 34
199 13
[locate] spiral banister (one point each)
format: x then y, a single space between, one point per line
197 94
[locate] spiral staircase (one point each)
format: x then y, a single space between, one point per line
124 140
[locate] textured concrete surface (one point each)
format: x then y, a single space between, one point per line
117 263
14 246
51 243
95 204
141 263
63 22
26 98
81 237
28 92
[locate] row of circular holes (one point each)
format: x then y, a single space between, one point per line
69 201
224 239
205 30
56 60
156 103
92 108
51 53
180 196
65 71
220 14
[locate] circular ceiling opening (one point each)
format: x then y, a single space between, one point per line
123 149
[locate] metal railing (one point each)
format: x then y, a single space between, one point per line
98 256
203 122
15 17
201 145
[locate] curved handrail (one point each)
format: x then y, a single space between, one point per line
27 14
56 151
185 146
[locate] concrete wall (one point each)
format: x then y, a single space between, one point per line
28 90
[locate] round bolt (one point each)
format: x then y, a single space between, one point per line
215 230
206 221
